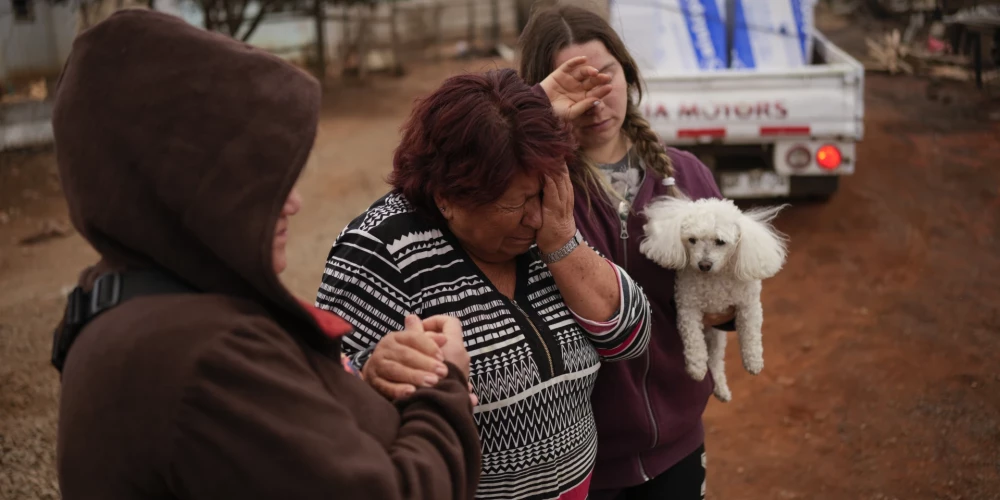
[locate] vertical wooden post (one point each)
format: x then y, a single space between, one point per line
345 44
319 13
364 34
495 24
522 10
85 17
471 35
977 56
397 60
437 27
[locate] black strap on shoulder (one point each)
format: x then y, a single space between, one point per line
110 290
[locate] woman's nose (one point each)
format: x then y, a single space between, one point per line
293 204
533 214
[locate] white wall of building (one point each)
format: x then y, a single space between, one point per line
36 46
283 32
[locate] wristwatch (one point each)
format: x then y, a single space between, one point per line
551 258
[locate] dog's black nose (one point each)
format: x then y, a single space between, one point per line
705 266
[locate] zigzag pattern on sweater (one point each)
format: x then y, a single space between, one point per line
537 431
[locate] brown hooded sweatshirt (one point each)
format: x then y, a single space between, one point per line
177 149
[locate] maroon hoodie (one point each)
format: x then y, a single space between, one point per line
177 148
648 409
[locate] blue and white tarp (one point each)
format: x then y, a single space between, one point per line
772 33
684 36
677 36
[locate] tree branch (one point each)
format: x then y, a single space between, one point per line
206 11
265 6
242 9
232 21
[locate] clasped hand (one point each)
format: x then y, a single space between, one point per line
415 357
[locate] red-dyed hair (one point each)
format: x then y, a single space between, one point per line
467 140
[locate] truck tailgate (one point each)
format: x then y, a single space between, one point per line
824 100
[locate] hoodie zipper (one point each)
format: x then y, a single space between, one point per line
541 340
624 208
649 409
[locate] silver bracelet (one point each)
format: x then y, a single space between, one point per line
552 258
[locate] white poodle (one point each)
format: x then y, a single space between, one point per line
721 254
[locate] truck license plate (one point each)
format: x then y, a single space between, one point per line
754 184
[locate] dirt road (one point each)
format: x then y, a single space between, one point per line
882 343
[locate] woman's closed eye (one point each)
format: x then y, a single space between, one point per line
512 207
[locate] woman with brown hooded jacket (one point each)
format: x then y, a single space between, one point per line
194 372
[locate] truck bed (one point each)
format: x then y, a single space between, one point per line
822 100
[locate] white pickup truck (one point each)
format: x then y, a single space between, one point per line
766 133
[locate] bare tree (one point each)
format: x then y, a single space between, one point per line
238 18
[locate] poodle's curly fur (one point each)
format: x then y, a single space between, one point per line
721 254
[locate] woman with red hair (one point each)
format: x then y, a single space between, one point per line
479 226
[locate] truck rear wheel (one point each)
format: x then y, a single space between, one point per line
814 187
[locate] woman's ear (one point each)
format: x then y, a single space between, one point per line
444 207
761 251
663 243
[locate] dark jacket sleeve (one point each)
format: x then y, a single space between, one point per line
259 422
539 91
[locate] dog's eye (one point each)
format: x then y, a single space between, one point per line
692 241
720 242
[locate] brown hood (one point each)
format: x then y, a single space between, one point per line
178 147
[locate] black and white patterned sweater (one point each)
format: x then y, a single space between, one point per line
533 362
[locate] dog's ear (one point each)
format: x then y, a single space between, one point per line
761 251
663 243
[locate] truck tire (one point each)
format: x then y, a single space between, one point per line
819 188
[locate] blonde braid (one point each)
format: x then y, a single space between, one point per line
647 144
589 177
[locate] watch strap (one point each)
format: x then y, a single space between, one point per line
551 258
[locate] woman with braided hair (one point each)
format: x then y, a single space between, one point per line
648 410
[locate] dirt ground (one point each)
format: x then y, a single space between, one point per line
882 376
882 343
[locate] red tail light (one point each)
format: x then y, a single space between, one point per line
829 157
